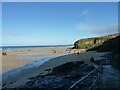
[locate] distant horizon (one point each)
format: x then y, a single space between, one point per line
56 23
54 44
38 45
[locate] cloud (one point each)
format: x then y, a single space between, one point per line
86 26
14 33
83 26
85 12
109 29
97 29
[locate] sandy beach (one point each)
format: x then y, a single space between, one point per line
13 79
19 57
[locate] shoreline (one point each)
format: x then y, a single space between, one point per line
23 77
34 63
32 47
30 65
19 57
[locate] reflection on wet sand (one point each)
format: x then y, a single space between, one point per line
18 57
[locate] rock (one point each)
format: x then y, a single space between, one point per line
66 67
78 63
55 80
92 59
48 70
88 68
73 76
78 53
111 45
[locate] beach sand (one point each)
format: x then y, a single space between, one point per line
19 57
20 79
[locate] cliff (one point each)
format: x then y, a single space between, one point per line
107 43
113 46
90 43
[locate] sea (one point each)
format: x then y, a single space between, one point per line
16 71
41 46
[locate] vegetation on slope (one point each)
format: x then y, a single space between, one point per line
89 43
107 43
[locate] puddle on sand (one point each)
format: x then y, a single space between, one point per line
32 54
30 57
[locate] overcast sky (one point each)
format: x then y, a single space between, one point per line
57 23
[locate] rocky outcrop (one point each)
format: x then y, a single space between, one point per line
115 60
89 43
113 46
61 77
66 67
107 43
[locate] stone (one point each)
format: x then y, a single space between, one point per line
66 67
92 59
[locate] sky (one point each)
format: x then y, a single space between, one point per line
56 23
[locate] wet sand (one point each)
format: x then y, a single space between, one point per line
21 78
19 57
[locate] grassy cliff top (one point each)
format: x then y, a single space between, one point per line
104 36
88 43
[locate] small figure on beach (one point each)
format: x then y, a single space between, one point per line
69 51
92 60
78 53
54 51
29 50
4 53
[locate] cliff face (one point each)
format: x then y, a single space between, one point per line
108 43
113 46
90 43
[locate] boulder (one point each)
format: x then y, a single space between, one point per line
92 59
66 67
88 68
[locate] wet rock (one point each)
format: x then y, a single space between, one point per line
66 67
73 76
48 70
92 59
103 62
78 53
88 68
71 72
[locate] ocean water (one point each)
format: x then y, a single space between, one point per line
42 46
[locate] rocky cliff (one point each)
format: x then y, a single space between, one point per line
113 46
108 43
89 43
